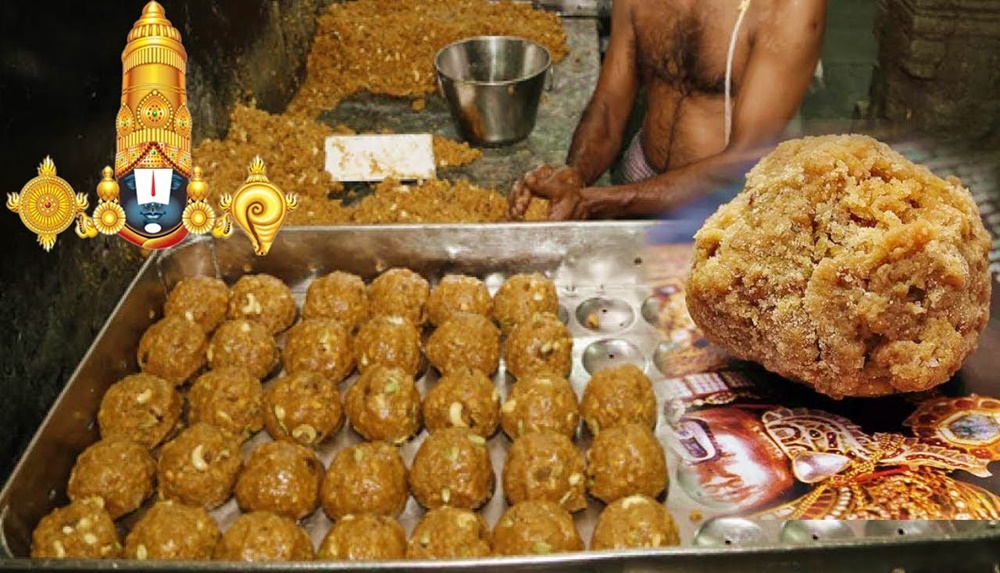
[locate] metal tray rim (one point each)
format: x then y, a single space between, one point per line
985 538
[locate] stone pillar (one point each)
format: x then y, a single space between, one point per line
939 67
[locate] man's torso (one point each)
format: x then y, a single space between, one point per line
681 50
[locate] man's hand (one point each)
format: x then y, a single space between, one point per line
560 185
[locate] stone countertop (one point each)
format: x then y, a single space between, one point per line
559 111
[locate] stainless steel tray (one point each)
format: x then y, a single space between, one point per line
596 267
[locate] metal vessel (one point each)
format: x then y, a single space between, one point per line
493 85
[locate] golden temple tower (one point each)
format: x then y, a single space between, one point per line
154 123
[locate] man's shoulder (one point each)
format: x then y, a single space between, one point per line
624 6
628 4
786 8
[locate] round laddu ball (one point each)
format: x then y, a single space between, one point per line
541 403
140 407
540 345
452 467
616 396
846 267
545 466
264 299
173 531
264 536
280 477
449 533
465 341
632 522
535 528
458 294
81 530
117 470
384 405
369 477
388 341
303 407
400 292
202 300
626 460
173 349
338 296
199 467
522 296
319 345
466 399
243 344
364 537
230 399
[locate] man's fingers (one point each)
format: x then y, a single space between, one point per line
520 205
523 203
538 174
512 199
543 170
518 200
559 212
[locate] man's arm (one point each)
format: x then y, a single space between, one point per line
598 137
777 76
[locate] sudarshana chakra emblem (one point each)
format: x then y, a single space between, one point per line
48 206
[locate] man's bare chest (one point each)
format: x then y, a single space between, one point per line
685 44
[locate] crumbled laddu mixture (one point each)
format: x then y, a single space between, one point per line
451 153
435 201
382 47
293 148
431 202
845 266
388 46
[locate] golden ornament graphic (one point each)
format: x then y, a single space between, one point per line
968 423
109 218
873 476
198 217
48 206
107 189
197 189
259 207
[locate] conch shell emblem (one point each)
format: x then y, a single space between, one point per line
259 207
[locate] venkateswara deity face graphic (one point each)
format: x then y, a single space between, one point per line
728 462
153 200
